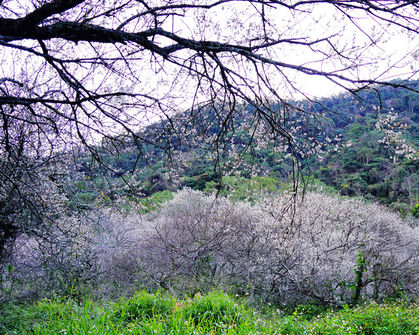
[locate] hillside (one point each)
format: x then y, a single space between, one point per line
316 248
364 146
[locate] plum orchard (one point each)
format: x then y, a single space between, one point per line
75 71
331 251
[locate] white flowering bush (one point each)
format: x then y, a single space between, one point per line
394 140
283 249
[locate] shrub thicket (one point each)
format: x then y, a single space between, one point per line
318 248
282 249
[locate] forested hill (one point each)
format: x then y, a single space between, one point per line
382 161
366 147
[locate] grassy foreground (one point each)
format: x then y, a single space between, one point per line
214 313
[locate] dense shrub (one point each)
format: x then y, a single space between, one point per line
89 254
285 249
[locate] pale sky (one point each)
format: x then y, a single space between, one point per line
370 51
394 54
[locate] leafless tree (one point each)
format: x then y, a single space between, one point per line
76 71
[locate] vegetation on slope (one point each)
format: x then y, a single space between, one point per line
253 238
365 147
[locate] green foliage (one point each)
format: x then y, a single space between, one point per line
305 311
359 166
241 188
361 267
214 313
415 211
155 201
5 271
369 319
215 308
316 185
402 208
199 182
144 305
87 197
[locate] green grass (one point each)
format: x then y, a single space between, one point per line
395 318
214 313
